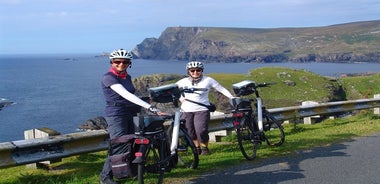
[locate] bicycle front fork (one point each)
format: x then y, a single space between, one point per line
260 114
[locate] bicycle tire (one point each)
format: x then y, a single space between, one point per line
273 130
248 142
140 173
155 155
187 155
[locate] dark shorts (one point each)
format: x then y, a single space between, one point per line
197 124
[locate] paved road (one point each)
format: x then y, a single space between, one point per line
356 161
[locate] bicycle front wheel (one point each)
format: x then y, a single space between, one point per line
186 151
248 144
273 130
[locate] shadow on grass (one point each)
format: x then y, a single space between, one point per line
76 170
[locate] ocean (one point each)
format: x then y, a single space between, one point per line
61 92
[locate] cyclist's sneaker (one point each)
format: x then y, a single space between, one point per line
199 150
205 151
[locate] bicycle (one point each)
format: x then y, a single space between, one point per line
158 150
254 125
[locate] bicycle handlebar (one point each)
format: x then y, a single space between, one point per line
192 90
248 87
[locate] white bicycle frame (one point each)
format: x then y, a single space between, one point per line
260 113
175 133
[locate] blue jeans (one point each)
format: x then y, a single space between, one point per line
117 127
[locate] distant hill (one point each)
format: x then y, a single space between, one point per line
292 86
350 42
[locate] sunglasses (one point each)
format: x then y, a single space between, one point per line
124 62
195 70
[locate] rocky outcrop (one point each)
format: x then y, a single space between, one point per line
4 103
97 123
353 42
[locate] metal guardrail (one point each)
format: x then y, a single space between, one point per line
296 112
53 147
60 146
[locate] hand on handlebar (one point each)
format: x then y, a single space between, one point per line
156 111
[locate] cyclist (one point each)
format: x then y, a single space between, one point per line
121 103
197 116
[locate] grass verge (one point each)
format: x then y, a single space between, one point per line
85 168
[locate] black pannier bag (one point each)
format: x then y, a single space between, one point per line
242 103
149 124
121 156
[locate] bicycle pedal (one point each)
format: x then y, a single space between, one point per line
266 128
255 141
181 149
152 169
168 169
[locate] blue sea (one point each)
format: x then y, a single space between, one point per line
63 91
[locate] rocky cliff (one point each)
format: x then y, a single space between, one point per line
351 42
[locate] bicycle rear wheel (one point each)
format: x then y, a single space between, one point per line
186 151
248 142
140 172
273 130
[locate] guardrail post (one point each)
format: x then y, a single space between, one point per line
376 110
311 119
41 133
217 135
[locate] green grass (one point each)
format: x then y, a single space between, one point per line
361 86
85 168
292 86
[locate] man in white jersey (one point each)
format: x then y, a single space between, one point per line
197 116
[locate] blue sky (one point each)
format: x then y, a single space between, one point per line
94 26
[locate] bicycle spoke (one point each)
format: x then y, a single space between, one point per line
186 152
274 133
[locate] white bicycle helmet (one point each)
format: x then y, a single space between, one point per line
194 64
120 54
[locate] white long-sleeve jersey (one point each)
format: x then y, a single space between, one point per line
206 83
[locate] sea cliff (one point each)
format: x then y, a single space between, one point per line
350 42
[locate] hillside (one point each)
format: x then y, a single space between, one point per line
291 87
350 42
